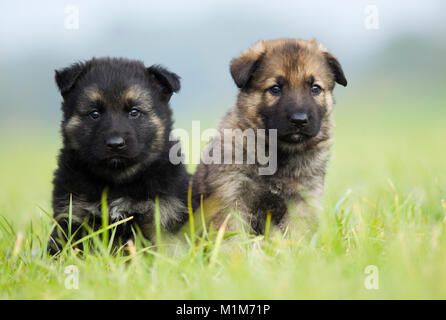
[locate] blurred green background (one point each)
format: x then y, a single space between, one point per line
390 130
392 53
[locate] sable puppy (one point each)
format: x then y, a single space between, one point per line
286 85
116 125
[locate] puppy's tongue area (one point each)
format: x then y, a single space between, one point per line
116 162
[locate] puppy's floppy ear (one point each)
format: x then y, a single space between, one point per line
336 68
244 66
168 80
67 77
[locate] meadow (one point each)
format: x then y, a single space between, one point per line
382 207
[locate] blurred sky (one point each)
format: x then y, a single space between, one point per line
195 39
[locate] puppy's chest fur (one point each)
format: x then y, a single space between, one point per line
297 176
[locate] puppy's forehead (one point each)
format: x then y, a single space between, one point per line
295 60
117 96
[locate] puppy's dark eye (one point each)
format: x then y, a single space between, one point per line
95 114
315 89
134 113
275 90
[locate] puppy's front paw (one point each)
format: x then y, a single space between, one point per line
267 203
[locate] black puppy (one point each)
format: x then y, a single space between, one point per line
116 126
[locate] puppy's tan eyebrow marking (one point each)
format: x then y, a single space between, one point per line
132 93
93 93
136 92
138 95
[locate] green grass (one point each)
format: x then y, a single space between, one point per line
382 207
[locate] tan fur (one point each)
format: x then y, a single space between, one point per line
93 93
73 123
138 93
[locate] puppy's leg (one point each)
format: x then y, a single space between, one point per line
250 206
263 204
61 232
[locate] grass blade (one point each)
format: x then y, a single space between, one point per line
104 211
267 225
218 241
157 222
102 230
70 215
191 214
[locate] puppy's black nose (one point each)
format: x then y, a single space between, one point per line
299 119
115 143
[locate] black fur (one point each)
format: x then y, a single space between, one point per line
135 174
